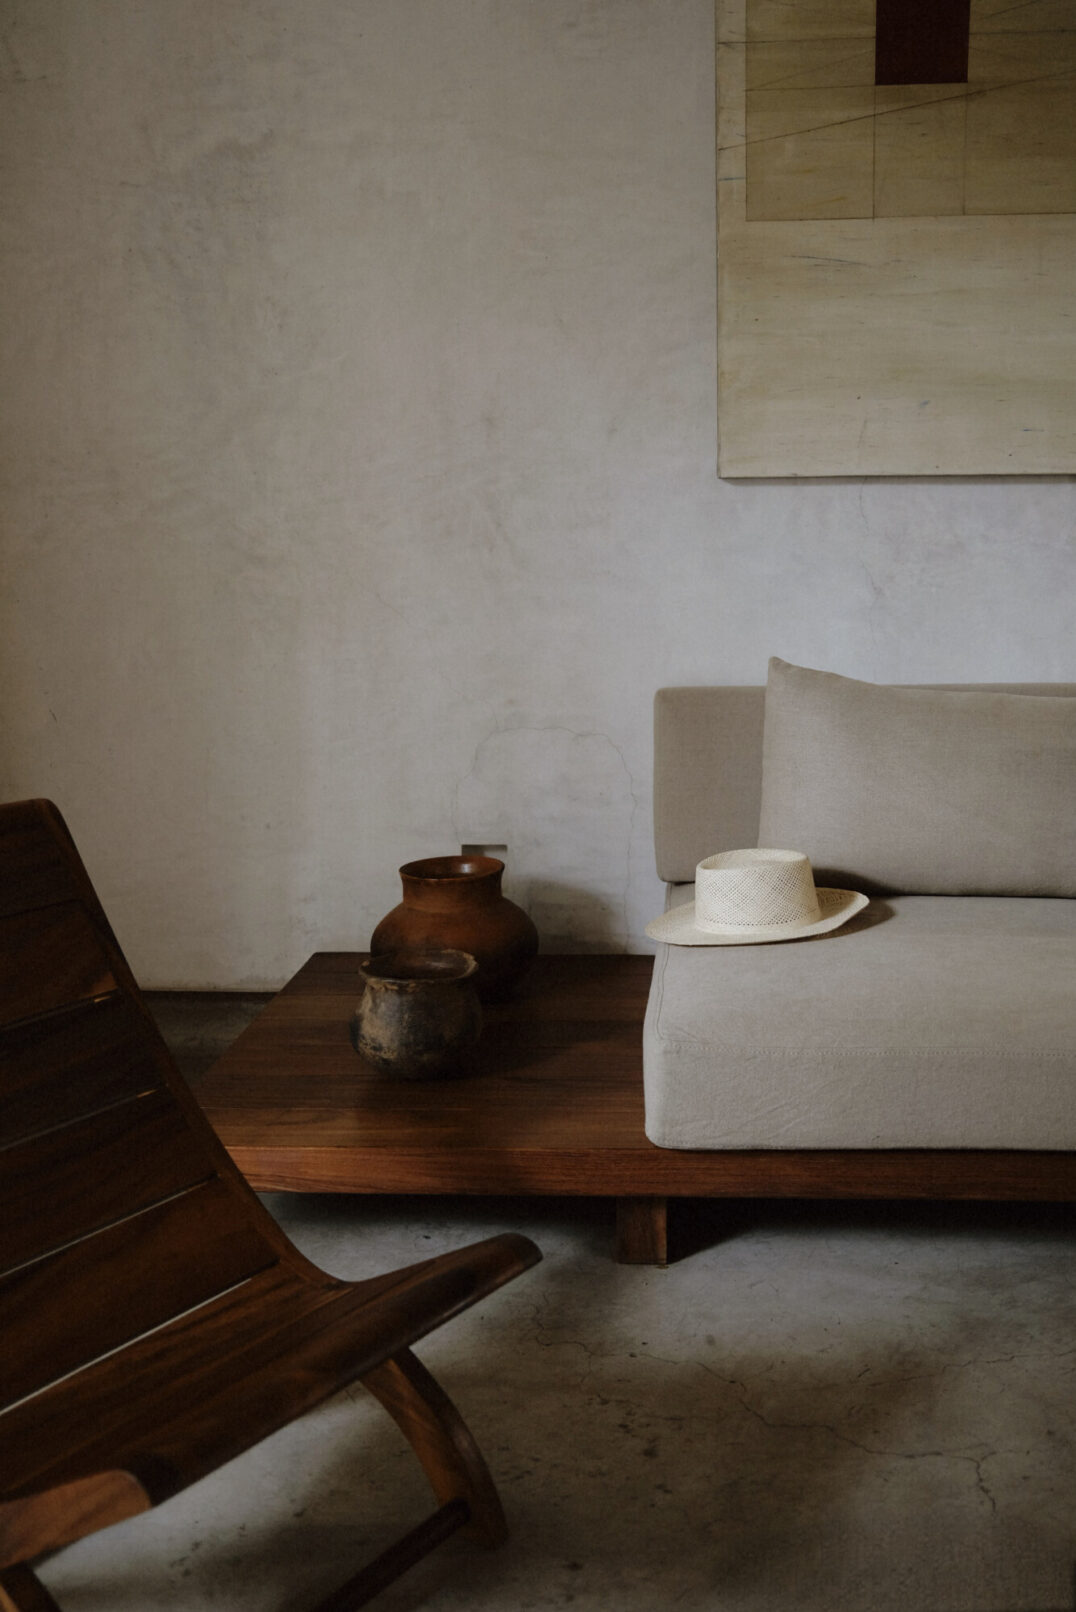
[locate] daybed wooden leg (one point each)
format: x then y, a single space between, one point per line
22 1591
442 1441
642 1231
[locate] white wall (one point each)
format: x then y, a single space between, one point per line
359 462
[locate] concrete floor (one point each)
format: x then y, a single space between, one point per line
817 1407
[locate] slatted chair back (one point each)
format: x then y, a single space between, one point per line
155 1321
118 1207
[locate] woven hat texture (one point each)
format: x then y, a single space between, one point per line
741 889
755 895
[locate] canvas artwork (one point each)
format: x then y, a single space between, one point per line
896 237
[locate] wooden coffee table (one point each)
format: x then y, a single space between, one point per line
553 1105
553 1102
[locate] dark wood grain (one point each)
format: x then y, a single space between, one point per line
142 1151
48 960
155 1319
93 1055
102 1291
642 1231
37 871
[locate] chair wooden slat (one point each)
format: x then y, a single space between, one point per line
36 872
142 1150
50 958
58 1069
100 1293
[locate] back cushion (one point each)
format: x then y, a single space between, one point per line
920 790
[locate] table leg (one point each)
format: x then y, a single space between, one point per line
642 1231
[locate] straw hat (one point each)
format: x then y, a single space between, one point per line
744 897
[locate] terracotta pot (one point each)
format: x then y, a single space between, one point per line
456 901
419 1013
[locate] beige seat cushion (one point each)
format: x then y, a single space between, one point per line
928 1021
920 790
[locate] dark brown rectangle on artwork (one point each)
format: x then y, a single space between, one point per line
922 41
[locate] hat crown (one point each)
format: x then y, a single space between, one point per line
755 889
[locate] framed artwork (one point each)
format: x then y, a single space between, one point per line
896 237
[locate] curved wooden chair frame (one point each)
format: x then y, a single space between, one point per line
156 1321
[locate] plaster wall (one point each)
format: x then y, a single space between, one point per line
358 447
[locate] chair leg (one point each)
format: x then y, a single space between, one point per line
22 1591
452 1462
442 1441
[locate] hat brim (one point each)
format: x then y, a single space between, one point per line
677 926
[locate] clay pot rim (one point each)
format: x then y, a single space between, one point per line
460 869
409 967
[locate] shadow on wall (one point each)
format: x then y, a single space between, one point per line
563 802
572 920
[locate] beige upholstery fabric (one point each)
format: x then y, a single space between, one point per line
919 789
927 1021
707 774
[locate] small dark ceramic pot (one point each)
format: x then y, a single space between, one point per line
456 901
419 1014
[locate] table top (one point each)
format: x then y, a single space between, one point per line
552 1101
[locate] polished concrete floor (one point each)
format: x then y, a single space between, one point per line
815 1407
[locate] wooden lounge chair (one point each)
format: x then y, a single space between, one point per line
155 1321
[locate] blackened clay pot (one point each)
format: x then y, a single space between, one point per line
419 1014
456 901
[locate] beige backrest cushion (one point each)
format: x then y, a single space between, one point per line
708 768
920 790
707 774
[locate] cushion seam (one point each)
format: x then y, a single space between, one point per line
902 1051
